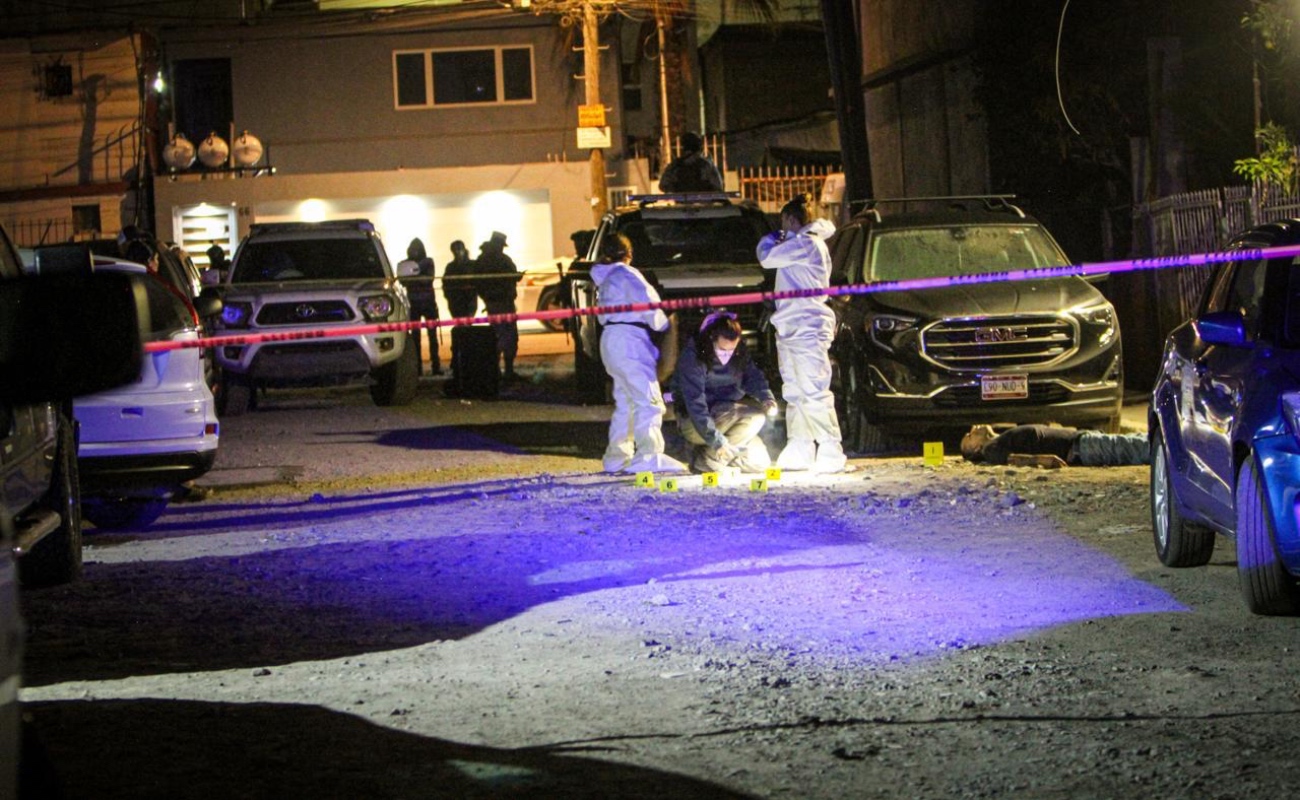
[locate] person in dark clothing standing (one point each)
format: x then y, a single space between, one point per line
458 284
417 276
497 279
461 291
692 171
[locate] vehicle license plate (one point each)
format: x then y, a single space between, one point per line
1004 387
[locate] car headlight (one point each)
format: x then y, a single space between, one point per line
376 307
236 315
885 329
1101 316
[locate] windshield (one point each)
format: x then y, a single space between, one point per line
697 240
960 250
307 260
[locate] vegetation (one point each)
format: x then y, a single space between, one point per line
1275 166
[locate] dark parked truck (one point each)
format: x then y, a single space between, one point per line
1025 351
64 334
312 276
695 245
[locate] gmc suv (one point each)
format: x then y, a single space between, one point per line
1028 351
686 245
291 277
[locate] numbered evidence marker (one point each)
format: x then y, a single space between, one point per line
668 485
709 479
758 484
933 454
646 480
773 473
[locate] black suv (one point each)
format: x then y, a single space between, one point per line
1029 351
686 245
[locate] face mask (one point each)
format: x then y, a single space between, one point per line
723 355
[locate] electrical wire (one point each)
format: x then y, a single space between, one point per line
1060 101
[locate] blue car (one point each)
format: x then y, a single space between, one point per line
1225 424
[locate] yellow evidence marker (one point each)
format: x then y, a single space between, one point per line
646 480
773 473
709 479
668 485
933 454
758 484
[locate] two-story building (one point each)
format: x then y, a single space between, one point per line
447 124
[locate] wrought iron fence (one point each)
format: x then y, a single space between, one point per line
1190 222
771 187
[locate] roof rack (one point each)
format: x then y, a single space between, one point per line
990 202
684 197
329 224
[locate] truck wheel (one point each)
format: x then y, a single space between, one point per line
236 396
550 300
394 384
57 558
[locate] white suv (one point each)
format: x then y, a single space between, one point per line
140 442
289 277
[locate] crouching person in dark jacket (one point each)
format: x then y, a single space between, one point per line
722 398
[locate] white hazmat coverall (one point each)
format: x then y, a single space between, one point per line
636 442
805 328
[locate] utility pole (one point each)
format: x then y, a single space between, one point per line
591 83
665 134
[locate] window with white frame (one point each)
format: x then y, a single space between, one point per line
462 77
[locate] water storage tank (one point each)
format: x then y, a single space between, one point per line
247 150
179 152
214 151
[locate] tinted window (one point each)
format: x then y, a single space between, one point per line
167 313
708 240
411 88
960 250
517 73
204 97
1291 314
1247 292
467 76
307 260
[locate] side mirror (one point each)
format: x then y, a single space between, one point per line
582 241
1225 328
62 337
208 303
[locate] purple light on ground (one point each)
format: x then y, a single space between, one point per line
836 574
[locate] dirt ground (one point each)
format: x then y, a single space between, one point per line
447 601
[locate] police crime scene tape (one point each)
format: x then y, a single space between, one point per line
746 298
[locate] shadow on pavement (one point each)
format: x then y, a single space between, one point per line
176 749
570 438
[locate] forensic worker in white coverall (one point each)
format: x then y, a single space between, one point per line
805 328
636 442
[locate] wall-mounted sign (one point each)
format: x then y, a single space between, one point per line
592 138
592 116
